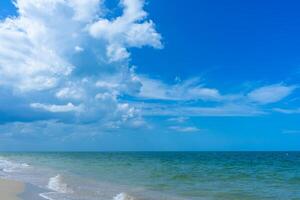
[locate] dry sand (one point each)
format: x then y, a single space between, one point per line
10 189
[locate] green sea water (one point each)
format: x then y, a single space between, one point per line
159 175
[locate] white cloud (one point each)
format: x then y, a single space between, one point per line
186 129
71 92
25 63
31 54
131 29
78 49
116 52
287 111
183 110
77 10
41 46
178 119
236 104
184 96
270 93
86 10
50 129
57 108
190 89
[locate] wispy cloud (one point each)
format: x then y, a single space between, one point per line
40 72
185 129
287 111
194 89
228 110
271 93
178 119
191 89
187 97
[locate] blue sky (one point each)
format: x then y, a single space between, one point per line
154 75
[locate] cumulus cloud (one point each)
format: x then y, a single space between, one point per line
57 108
270 93
41 46
35 44
25 63
131 29
68 57
71 92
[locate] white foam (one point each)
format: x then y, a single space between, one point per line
123 196
44 195
8 166
56 183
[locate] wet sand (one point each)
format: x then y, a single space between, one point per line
9 190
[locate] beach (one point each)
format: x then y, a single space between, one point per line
9 190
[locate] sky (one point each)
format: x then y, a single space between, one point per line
154 75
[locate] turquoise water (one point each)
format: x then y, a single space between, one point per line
159 175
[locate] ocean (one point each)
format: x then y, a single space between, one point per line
157 175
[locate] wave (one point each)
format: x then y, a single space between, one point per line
57 184
54 185
8 166
123 196
44 196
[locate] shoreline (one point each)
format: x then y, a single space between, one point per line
16 190
11 190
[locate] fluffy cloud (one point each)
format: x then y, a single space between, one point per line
70 92
25 63
40 49
67 59
128 30
270 93
35 46
57 108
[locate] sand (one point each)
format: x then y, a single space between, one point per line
9 190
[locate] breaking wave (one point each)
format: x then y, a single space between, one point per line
57 184
124 196
8 166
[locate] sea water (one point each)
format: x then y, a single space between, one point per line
158 175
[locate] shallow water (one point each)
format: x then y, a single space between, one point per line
158 175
